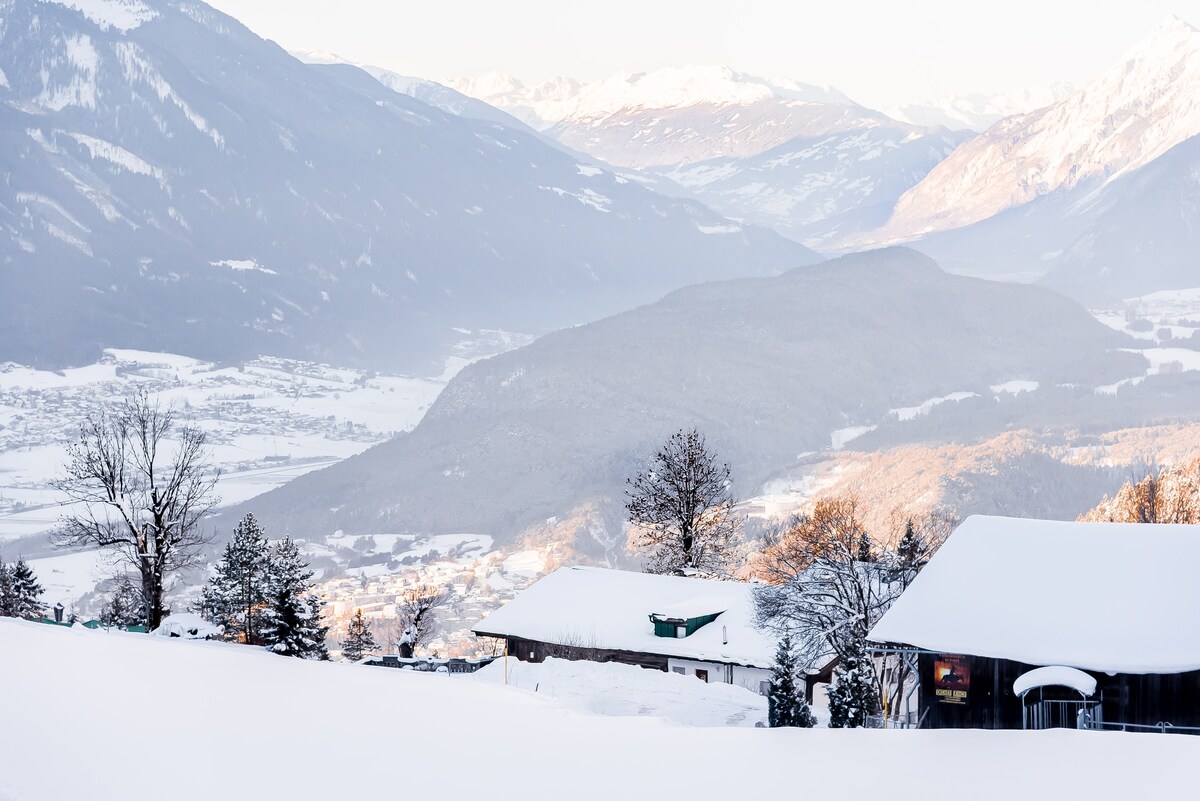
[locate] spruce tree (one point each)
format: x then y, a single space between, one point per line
20 591
786 704
911 551
125 606
852 697
8 600
292 623
236 597
864 548
359 639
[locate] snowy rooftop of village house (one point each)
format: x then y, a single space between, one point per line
1107 597
599 608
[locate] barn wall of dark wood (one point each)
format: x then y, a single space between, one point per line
990 702
535 651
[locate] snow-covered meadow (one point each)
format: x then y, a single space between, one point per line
152 718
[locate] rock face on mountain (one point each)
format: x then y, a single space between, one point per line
768 368
173 182
1096 192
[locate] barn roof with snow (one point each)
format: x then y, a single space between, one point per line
1107 597
677 616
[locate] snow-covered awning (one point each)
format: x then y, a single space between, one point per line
1106 597
1055 676
594 607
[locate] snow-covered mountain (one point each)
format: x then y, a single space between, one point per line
1141 108
804 160
173 182
560 99
977 111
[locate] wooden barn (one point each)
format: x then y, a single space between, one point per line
1043 624
696 627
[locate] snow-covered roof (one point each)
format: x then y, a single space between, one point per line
692 608
1108 597
599 608
1055 676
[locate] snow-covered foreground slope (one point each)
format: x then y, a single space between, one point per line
608 688
188 709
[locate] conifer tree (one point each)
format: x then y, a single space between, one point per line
853 697
20 591
293 614
236 597
125 606
910 553
8 601
359 639
786 704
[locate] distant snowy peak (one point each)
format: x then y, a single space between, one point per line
980 111
121 15
562 99
1145 105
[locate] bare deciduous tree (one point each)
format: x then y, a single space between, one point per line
417 617
682 508
822 592
138 485
1171 495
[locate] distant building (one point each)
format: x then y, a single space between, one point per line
696 627
1039 624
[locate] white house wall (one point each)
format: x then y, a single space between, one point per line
718 673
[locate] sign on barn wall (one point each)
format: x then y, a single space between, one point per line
951 679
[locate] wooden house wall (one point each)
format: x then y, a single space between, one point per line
535 651
992 704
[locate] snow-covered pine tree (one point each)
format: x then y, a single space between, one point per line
359 639
236 597
8 600
852 697
292 623
910 553
786 704
864 553
125 606
20 591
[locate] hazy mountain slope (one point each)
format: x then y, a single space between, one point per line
427 91
767 367
1145 235
179 184
821 188
1131 115
977 111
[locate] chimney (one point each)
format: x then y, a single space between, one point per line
724 636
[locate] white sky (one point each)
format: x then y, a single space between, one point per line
879 52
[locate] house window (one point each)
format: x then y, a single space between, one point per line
681 631
679 670
702 675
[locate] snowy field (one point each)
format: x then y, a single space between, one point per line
321 730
